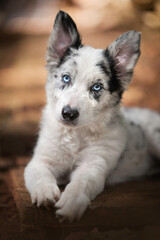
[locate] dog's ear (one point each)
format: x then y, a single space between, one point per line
123 54
63 36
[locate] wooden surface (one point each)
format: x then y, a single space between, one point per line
130 210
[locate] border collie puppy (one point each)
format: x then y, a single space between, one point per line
87 140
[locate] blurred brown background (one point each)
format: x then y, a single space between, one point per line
24 29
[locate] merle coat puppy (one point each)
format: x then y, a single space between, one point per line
86 139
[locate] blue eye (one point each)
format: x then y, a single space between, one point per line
96 87
66 79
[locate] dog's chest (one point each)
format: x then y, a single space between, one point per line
71 142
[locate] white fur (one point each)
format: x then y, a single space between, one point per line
106 145
90 154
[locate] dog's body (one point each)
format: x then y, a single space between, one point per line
86 139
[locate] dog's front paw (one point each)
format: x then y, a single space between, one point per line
72 204
45 193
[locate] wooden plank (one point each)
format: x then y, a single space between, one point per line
125 206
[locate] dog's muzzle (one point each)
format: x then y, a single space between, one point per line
69 114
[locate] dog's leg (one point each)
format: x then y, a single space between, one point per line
40 182
43 170
87 181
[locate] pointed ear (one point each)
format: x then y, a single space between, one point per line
63 36
123 54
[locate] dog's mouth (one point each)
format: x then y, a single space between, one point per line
69 123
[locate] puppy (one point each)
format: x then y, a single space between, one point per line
86 139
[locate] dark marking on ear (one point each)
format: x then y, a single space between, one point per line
69 26
55 76
114 82
122 55
64 37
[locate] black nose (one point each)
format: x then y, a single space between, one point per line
69 114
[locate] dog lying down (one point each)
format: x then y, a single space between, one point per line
86 139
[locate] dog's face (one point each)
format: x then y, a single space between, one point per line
85 83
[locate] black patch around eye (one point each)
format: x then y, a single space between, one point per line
64 84
96 95
114 82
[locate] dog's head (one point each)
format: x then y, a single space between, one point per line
84 83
